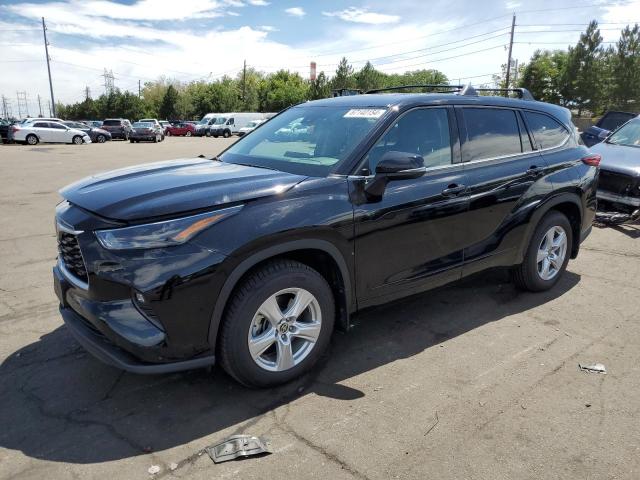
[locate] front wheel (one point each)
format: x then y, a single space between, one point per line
101 139
77 140
168 134
188 134
277 325
547 256
226 134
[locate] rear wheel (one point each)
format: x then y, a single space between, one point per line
277 325
547 255
32 139
168 133
208 133
132 140
188 134
77 140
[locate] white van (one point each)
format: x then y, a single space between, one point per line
202 127
228 124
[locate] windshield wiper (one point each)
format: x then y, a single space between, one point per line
254 166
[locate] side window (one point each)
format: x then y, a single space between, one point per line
422 131
230 122
56 125
527 145
547 132
41 125
491 132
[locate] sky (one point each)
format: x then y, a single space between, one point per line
205 39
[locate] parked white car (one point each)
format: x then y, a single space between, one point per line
228 124
251 126
32 133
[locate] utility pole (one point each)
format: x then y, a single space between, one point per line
23 104
40 106
46 51
513 26
244 81
5 114
50 113
87 93
139 90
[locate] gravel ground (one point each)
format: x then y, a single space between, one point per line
474 380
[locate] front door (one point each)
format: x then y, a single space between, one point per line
413 238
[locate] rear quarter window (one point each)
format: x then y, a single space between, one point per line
547 132
491 133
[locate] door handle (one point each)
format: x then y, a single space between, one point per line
535 171
454 190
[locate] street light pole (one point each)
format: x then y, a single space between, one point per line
46 51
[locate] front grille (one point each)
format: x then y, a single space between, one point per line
71 255
618 183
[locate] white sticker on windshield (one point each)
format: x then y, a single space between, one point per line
364 113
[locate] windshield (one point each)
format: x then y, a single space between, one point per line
305 140
112 123
204 120
143 125
627 135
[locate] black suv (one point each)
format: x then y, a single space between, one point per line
253 257
117 127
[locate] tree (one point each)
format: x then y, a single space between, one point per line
320 87
583 76
542 74
344 77
369 78
168 107
283 89
625 69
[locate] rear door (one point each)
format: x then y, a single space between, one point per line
505 176
412 239
44 131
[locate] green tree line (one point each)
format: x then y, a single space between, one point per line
588 77
248 91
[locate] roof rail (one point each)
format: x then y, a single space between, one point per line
523 93
404 87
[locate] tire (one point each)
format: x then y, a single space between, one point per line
547 248
131 140
208 134
77 140
188 134
283 280
168 134
101 139
215 136
226 134
32 139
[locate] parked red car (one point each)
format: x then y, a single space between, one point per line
186 129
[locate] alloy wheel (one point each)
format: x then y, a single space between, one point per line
552 252
285 329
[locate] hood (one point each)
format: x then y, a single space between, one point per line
172 187
618 158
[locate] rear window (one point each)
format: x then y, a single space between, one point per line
613 120
546 131
491 132
112 123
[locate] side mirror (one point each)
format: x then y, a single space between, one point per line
395 166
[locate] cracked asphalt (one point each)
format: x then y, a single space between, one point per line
471 381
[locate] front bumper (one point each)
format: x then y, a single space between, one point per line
616 198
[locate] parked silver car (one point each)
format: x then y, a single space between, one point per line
619 182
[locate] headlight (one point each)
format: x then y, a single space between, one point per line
162 234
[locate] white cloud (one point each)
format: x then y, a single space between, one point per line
259 3
296 12
359 15
268 28
511 5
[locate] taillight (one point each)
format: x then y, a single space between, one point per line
593 160
14 129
